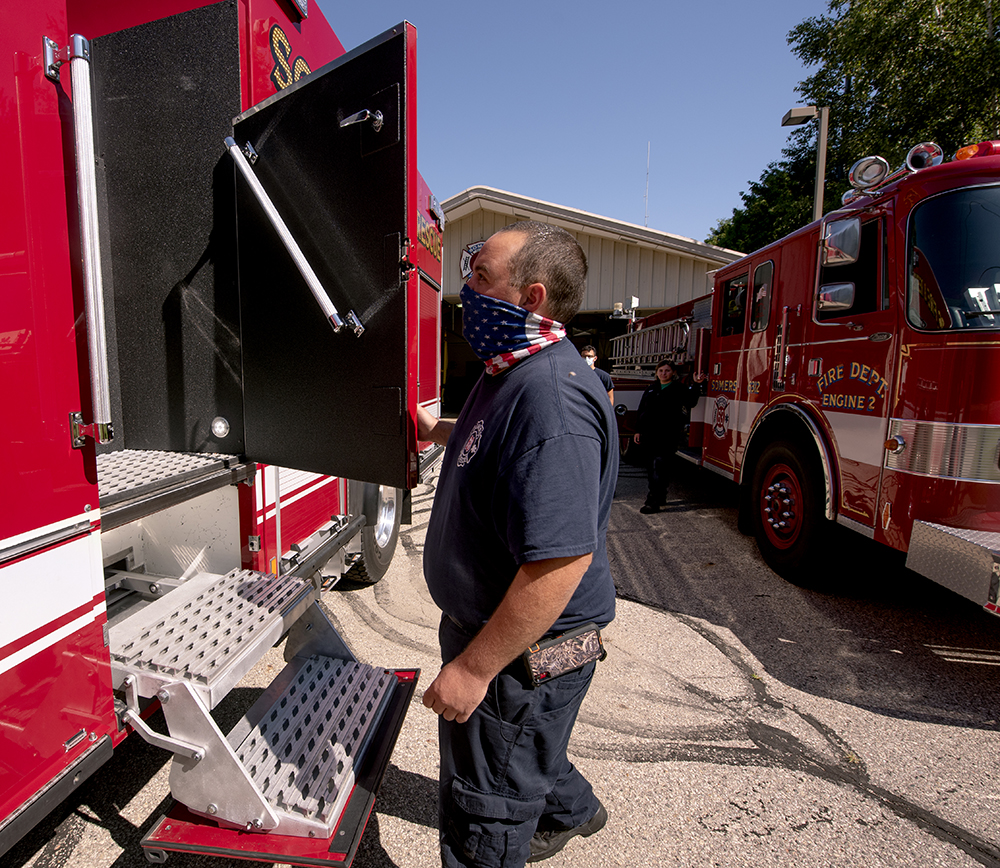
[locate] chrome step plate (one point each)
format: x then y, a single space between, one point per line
208 632
303 752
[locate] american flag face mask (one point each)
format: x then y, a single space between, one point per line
501 333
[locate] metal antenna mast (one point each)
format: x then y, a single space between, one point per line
646 198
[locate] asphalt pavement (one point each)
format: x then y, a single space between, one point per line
738 719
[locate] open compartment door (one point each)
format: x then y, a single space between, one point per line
335 157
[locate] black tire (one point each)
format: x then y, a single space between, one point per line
381 505
787 511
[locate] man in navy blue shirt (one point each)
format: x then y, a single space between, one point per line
589 355
515 553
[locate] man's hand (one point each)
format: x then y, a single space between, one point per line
536 597
455 693
635 437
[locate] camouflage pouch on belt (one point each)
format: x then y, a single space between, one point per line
551 658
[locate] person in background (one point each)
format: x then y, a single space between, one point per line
589 355
662 411
516 553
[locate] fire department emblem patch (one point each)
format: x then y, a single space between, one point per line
471 446
467 254
720 419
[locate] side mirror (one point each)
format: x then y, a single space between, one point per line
842 242
835 296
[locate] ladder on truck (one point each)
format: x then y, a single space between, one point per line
641 351
278 785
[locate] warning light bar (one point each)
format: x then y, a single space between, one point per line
983 149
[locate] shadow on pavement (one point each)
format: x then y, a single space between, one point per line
880 637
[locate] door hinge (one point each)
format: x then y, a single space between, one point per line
79 431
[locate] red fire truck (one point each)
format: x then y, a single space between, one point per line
217 263
849 374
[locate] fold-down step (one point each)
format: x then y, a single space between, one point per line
208 633
296 779
301 752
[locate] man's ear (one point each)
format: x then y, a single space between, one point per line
533 298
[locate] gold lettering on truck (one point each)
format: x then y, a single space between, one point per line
285 71
859 372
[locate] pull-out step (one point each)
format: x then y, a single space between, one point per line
296 779
208 633
302 751
304 763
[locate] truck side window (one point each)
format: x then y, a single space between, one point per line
734 305
763 289
864 273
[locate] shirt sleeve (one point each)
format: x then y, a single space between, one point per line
547 499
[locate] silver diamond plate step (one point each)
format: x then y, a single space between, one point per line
303 750
966 561
209 632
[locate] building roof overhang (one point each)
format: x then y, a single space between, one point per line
573 220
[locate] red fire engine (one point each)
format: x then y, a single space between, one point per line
217 262
849 373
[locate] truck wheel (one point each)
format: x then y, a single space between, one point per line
380 505
786 504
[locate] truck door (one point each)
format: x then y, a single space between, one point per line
218 343
851 356
756 389
727 369
335 153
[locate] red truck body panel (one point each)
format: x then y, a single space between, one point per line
57 536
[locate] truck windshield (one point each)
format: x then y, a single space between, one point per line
954 261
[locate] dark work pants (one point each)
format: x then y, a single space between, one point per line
505 772
658 472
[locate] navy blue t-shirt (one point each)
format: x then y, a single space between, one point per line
529 474
605 378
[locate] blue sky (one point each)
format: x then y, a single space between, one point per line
558 100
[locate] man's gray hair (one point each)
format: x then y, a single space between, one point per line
553 257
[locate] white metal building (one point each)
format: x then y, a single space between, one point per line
625 261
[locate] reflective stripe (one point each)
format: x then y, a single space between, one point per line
50 596
38 538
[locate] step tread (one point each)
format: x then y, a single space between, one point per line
303 752
132 473
206 632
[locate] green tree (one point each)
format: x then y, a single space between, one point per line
775 205
894 73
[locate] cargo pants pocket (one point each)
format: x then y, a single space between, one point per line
486 829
